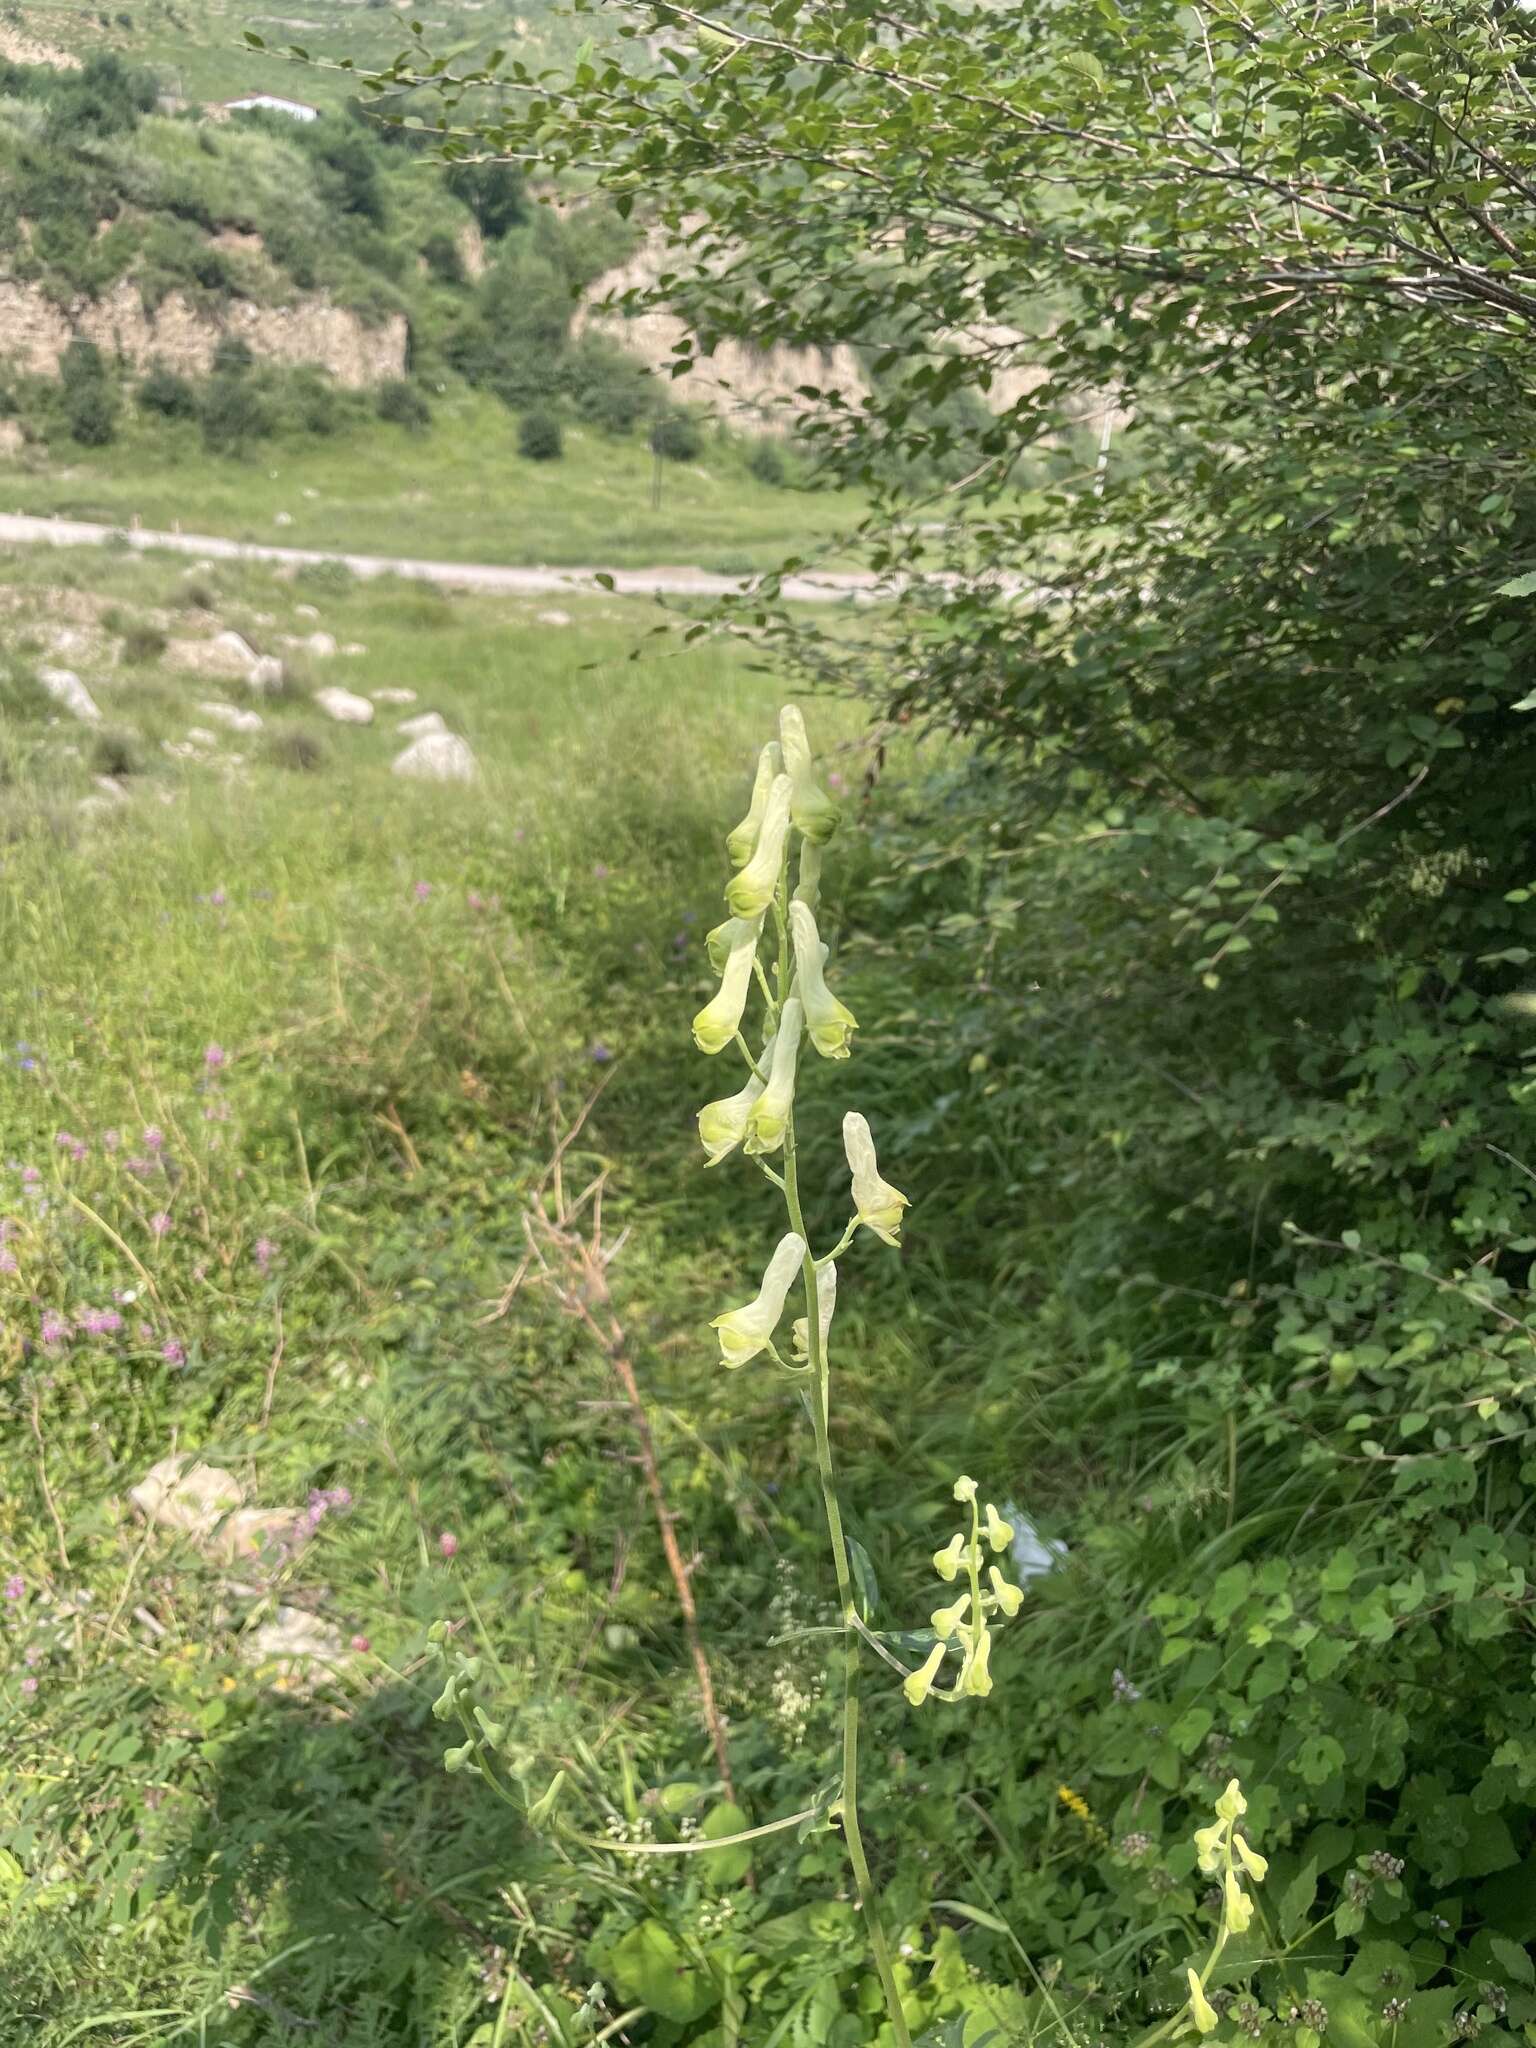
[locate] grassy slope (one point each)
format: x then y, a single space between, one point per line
460 492
390 1052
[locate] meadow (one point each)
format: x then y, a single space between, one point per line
458 491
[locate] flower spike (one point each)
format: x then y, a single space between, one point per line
814 812
723 1124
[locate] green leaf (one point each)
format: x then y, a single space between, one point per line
865 1585
1519 586
726 1866
1513 1958
1297 1899
650 1969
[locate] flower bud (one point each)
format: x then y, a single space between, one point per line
830 1023
1200 2008
814 812
720 1019
739 843
544 1805
723 1124
745 1331
768 1118
749 893
826 1301
1232 1805
1257 1866
456 1759
920 1684
999 1532
976 1678
947 1562
876 1203
1236 1904
965 1489
1009 1598
947 1619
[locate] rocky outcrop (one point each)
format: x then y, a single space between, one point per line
34 333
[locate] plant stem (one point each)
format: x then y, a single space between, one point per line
853 1836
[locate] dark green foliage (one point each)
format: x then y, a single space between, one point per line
165 392
234 414
677 437
765 461
349 171
539 437
115 751
440 253
232 356
403 404
143 643
293 748
607 386
493 192
90 398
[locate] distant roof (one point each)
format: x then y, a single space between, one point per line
272 99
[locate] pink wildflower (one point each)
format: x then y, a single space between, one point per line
172 1352
15 1586
361 1645
213 1057
159 1223
448 1543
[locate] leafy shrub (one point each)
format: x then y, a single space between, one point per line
403 404
539 437
676 437
90 400
440 253
115 751
493 192
291 747
606 385
143 643
164 392
232 356
234 414
765 461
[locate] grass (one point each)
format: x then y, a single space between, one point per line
381 489
404 985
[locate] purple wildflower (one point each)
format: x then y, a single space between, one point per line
835 782
29 1686
65 1140
264 1251
599 1052
423 891
30 1176
172 1352
15 1586
475 900
448 1544
8 1228
154 1137
7 1260
54 1328
159 1223
101 1322
600 871
213 1057
217 898
111 1140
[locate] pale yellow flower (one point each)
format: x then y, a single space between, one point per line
947 1619
723 1124
746 1331
768 1118
976 1678
920 1683
826 1302
1237 1904
749 893
808 875
1208 1843
947 1562
1200 2008
814 812
830 1023
720 1019
964 1489
1009 1598
740 842
1257 1866
1232 1805
999 1532
875 1202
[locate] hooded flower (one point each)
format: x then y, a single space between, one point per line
920 1683
725 938
1009 1598
720 1019
740 843
749 893
1238 1907
947 1619
745 1331
829 1022
768 1118
826 1302
876 1203
947 1562
1257 1866
808 875
723 1124
976 1677
1208 1843
813 810
1200 2009
999 1532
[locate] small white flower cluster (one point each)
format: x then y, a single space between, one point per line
791 1705
715 1917
618 1829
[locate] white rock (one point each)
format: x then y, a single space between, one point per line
260 1533
393 696
238 648
307 611
282 519
320 643
294 1638
344 706
266 675
354 647
554 618
67 691
437 757
422 726
95 807
111 787
192 1498
200 736
231 715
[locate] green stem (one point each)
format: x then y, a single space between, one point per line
853 1835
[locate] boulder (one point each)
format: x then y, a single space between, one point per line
344 706
422 725
200 736
293 1640
393 696
437 757
70 694
321 644
554 618
176 1494
307 611
236 647
111 787
231 715
265 675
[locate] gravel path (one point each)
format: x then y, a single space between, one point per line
828 587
